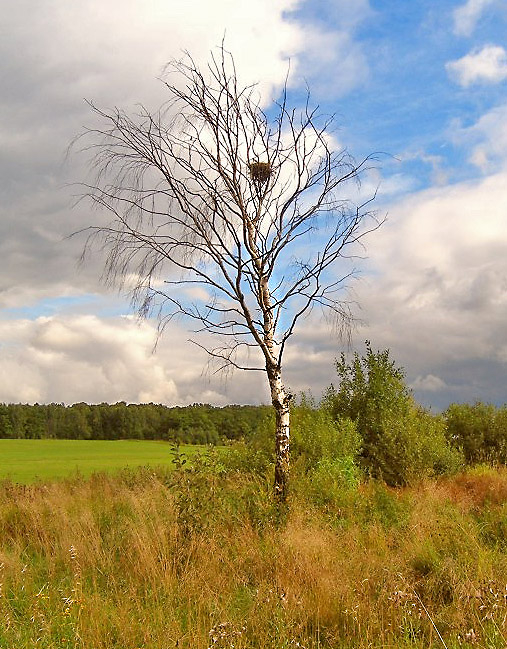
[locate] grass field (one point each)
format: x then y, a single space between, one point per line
197 560
27 460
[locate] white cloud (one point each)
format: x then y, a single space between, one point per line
479 158
334 62
437 295
81 355
488 65
467 15
439 175
114 51
332 59
486 139
93 359
55 54
428 383
439 291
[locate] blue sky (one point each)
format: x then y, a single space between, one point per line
407 101
423 83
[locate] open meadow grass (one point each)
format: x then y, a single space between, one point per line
29 460
199 559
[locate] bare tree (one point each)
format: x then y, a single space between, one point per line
210 192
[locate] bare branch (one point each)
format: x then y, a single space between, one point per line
195 234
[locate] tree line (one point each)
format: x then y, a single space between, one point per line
195 424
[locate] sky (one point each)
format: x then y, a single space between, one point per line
422 83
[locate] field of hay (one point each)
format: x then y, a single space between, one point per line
201 558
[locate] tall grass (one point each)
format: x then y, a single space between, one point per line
200 559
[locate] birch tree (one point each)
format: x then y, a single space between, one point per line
229 215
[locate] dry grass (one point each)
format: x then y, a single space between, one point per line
154 561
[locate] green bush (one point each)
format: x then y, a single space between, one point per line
240 456
409 448
401 442
480 430
316 436
324 452
255 454
332 479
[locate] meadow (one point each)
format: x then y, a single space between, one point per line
199 557
29 460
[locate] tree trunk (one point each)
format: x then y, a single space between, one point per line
281 403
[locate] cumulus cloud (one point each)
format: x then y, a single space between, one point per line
467 15
438 290
332 59
93 359
334 62
428 383
434 292
52 56
486 138
487 65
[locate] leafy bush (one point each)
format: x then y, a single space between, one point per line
325 454
332 479
316 436
255 454
411 447
241 456
480 430
401 441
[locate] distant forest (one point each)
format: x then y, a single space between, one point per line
196 424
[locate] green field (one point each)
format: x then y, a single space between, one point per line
29 460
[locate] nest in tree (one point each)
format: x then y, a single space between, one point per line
260 171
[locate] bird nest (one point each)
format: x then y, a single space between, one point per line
260 171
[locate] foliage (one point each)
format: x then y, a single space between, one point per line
480 430
332 482
324 454
326 450
253 454
195 424
317 437
404 450
401 441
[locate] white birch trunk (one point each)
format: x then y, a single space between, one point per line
280 398
281 403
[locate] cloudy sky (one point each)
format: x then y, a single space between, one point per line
424 82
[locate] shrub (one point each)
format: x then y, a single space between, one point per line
254 454
480 430
401 442
409 448
332 479
325 454
316 436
